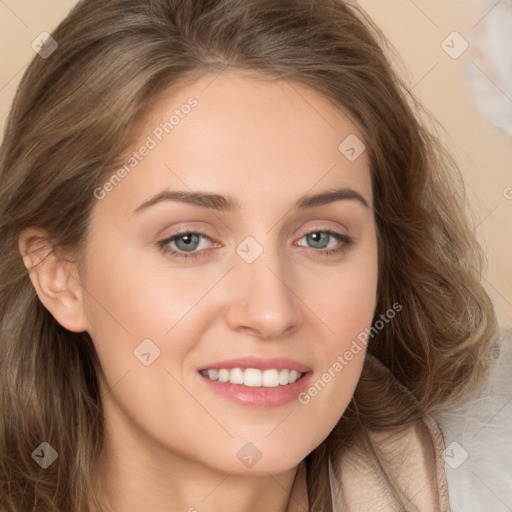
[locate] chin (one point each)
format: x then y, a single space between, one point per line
259 458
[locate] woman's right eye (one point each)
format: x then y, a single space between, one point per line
186 244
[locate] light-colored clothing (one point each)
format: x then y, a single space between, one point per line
418 472
478 435
413 462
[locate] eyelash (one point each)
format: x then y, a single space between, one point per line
345 246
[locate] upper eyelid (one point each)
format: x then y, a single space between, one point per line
197 230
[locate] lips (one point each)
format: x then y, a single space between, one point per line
258 397
257 382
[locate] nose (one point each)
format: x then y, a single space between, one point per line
262 300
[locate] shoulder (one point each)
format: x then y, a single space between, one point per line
410 462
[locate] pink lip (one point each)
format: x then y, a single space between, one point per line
279 363
262 398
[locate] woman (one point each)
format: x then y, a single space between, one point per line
237 274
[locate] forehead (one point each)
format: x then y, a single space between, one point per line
252 138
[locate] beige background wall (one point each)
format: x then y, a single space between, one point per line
417 29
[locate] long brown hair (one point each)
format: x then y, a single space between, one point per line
71 120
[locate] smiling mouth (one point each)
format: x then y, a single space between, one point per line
253 377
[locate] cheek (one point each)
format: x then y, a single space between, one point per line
140 295
344 296
132 298
346 305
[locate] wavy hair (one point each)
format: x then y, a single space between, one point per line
68 127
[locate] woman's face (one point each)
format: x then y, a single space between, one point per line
264 286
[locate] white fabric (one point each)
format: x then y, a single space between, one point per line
489 68
335 488
483 428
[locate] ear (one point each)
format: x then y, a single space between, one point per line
55 280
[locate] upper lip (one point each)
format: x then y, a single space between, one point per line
279 363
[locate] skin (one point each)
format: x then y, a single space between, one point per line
266 144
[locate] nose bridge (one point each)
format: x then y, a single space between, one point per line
263 300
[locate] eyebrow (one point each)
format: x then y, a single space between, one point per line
230 204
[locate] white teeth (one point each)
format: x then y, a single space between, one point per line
253 377
236 376
270 378
223 375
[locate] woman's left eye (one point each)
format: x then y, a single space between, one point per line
319 237
186 244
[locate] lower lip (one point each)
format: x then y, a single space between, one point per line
263 398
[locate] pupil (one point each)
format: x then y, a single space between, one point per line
317 237
187 242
